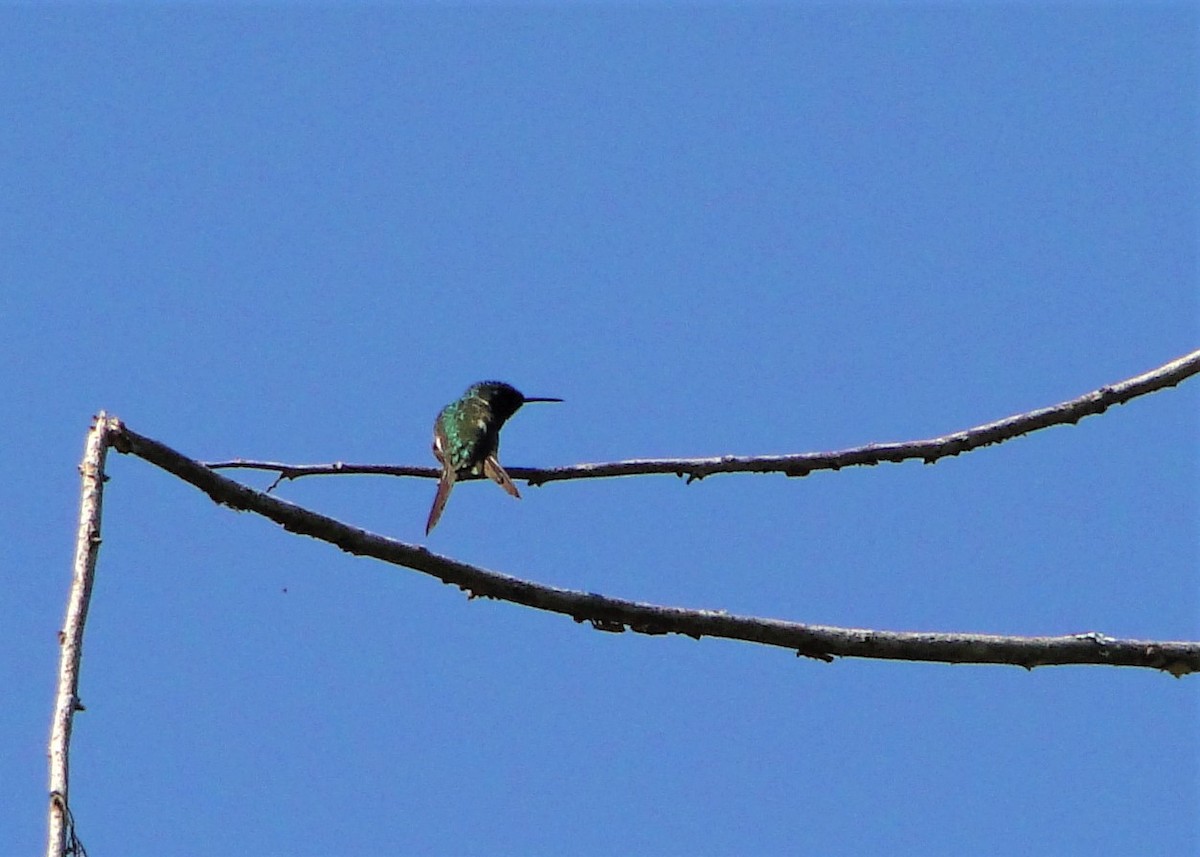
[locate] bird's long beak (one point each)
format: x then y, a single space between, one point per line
529 399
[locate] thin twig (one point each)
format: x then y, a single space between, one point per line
798 464
70 638
613 614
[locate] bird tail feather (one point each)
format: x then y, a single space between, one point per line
496 473
439 500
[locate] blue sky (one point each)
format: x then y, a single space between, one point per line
296 232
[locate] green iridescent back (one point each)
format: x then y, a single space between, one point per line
469 431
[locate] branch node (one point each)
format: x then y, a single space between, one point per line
117 439
1178 668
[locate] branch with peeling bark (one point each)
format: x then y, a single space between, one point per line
799 464
61 834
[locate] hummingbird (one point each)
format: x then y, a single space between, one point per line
466 438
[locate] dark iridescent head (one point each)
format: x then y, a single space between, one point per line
503 399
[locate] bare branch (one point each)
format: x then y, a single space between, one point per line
70 638
295 471
799 464
612 614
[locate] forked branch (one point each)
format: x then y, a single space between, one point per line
603 613
614 614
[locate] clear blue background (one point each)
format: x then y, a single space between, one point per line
295 233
